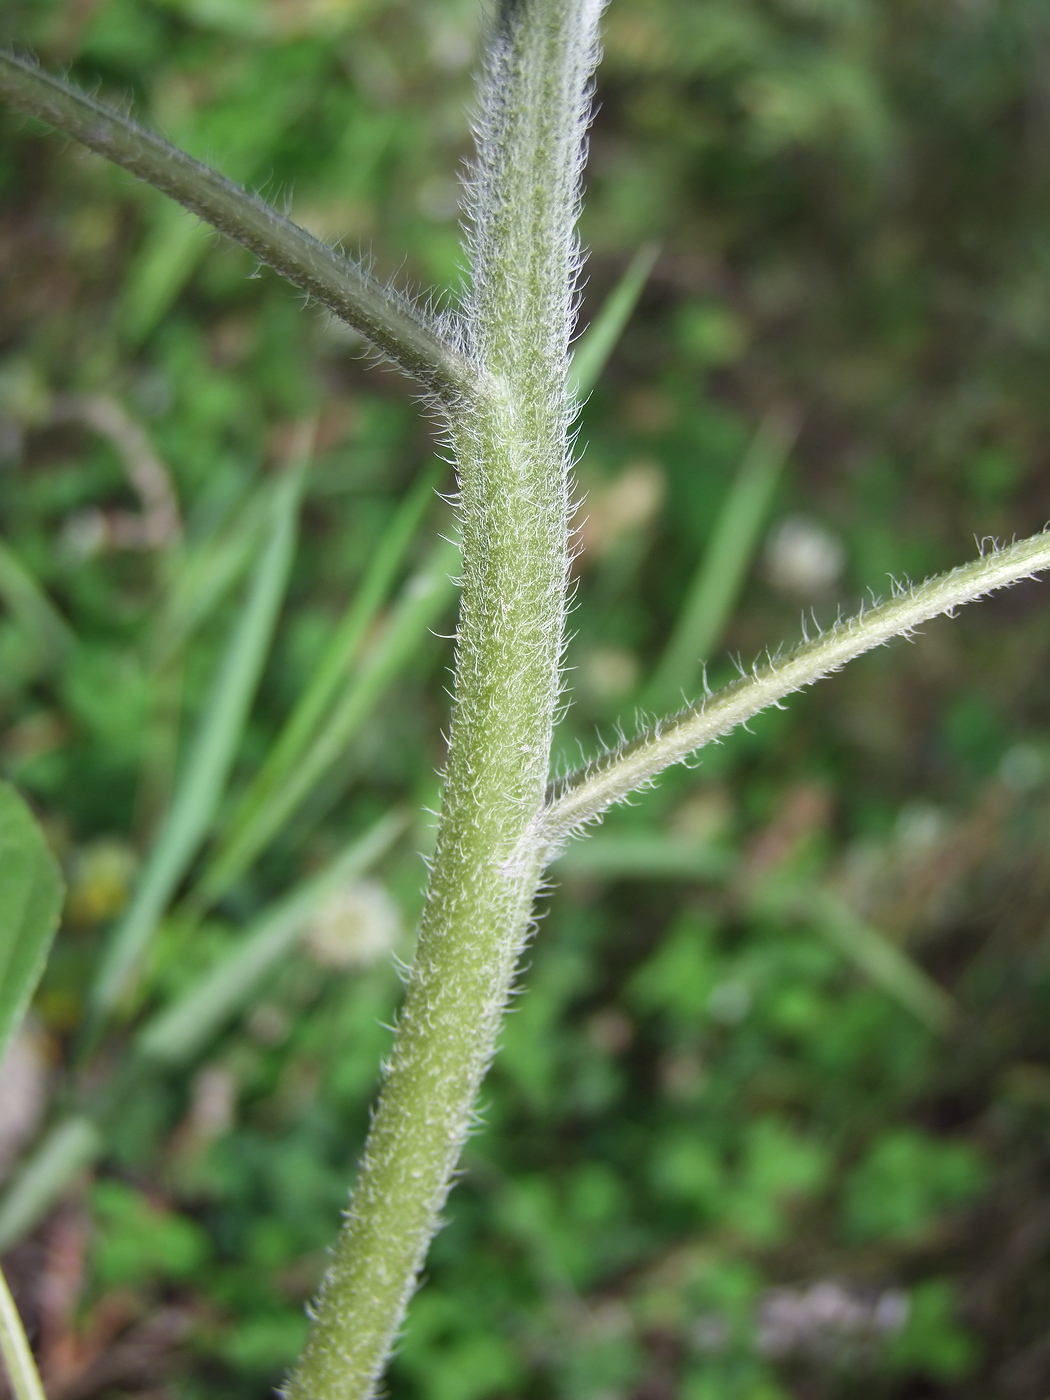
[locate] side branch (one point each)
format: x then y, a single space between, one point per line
586 795
388 321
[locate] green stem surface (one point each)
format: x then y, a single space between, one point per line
512 450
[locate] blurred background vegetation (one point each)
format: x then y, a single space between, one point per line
772 1118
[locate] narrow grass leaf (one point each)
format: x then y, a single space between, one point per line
653 856
645 855
70 1146
307 718
601 337
32 609
423 598
205 573
888 966
31 892
178 1033
717 583
171 251
201 784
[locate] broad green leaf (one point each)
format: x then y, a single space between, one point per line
31 891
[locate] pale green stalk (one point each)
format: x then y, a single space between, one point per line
18 1359
512 449
583 797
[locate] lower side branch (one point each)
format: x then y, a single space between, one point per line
610 779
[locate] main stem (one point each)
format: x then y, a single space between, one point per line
512 450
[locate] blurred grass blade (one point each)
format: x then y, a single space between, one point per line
200 577
201 784
31 891
31 608
170 253
346 642
181 1031
306 719
68 1148
645 855
600 338
18 1359
716 586
887 965
176 242
175 1035
205 573
422 600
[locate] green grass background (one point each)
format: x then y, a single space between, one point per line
734 1067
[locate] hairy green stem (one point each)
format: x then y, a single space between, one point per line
18 1359
390 322
512 450
585 796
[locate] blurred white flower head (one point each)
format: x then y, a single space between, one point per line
355 927
803 558
825 1317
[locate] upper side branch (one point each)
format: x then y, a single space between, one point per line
613 777
388 321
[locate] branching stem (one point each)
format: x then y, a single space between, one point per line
388 321
512 452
